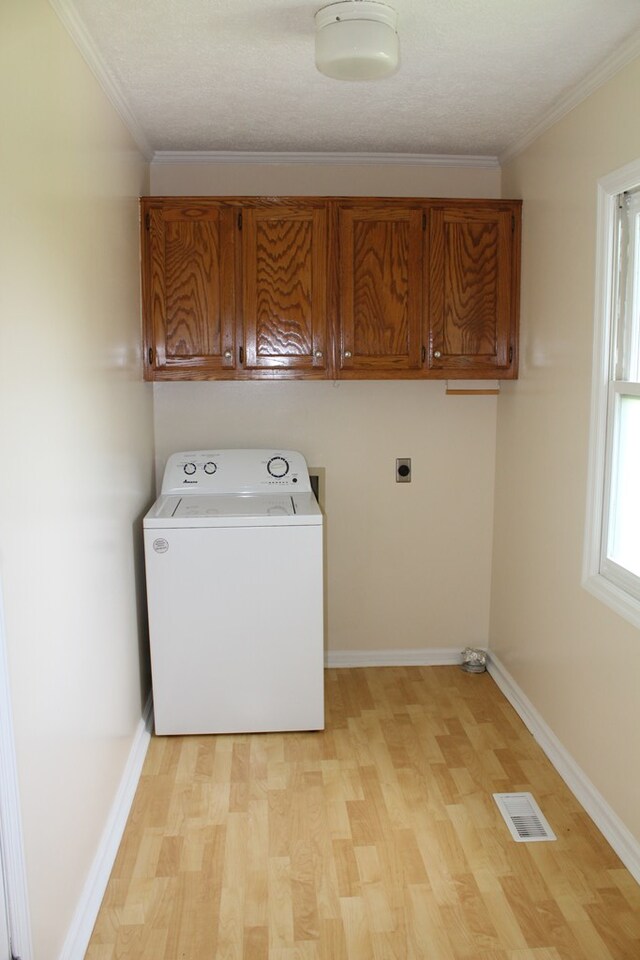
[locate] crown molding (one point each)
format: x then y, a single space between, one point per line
621 56
398 159
76 29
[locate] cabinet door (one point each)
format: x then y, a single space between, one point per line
284 287
472 290
380 271
188 265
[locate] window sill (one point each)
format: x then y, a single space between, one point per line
616 598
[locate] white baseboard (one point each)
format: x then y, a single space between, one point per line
607 821
79 934
423 657
12 857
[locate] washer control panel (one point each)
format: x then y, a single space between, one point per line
278 467
236 472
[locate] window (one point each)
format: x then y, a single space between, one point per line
612 543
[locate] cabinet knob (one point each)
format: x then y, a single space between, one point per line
318 354
227 354
437 354
347 354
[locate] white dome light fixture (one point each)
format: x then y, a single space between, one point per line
356 40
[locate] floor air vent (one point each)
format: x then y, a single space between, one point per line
524 817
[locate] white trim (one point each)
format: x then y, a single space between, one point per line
616 598
398 159
606 213
607 821
111 87
613 572
620 180
621 56
5 947
422 657
609 187
11 819
84 919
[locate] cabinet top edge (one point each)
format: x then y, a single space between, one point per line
259 199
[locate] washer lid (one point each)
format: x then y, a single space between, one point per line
221 506
212 510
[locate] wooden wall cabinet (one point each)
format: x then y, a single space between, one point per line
234 290
188 260
278 288
284 288
472 290
380 262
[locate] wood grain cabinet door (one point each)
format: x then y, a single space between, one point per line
284 288
380 296
188 289
472 289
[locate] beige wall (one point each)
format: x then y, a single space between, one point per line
576 660
408 565
304 179
77 459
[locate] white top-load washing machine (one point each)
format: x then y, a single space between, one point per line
234 565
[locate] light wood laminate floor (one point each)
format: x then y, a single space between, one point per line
377 839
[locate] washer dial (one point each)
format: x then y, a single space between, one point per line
189 469
210 467
278 467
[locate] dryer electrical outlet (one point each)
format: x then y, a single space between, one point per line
403 470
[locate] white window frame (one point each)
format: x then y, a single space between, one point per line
618 588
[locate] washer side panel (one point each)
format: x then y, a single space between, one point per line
236 628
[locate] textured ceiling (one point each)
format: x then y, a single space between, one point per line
239 75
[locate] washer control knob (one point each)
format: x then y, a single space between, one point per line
189 469
210 467
278 467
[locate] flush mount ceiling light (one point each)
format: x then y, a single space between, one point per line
356 40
